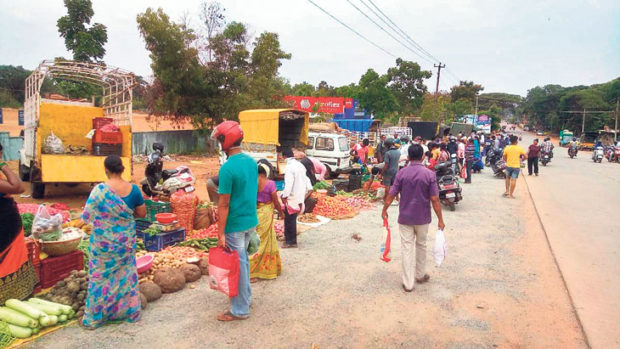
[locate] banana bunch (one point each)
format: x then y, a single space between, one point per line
78 223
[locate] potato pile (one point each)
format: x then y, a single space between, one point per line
71 291
161 260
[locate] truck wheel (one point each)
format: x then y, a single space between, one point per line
37 190
24 172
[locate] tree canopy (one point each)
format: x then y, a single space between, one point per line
86 43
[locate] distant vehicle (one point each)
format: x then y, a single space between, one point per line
332 149
540 133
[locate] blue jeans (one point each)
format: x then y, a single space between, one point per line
239 242
513 172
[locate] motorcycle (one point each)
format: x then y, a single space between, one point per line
498 165
159 182
453 163
545 158
449 188
572 152
611 153
616 154
598 154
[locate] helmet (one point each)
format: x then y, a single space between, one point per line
228 133
389 142
452 139
574 139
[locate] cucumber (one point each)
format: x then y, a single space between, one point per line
24 308
62 318
35 330
19 331
53 320
16 318
49 310
64 308
45 321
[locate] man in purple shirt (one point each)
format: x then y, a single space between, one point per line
417 186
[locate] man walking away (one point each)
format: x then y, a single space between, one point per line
417 187
293 196
390 167
513 154
470 157
238 187
533 152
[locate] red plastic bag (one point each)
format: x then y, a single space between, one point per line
463 172
385 246
224 271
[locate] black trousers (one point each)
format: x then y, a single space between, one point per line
532 162
469 164
290 227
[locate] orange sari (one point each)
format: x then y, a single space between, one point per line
17 275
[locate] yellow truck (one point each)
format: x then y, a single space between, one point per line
267 131
71 122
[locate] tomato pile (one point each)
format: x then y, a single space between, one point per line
210 232
334 208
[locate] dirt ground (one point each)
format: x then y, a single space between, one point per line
498 287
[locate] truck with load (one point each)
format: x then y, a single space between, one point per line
425 129
65 140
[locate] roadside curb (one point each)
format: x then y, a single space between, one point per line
557 265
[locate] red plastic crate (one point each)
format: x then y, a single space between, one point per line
54 269
108 137
34 250
100 122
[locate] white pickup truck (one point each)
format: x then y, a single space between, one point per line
332 149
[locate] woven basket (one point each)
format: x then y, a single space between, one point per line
60 248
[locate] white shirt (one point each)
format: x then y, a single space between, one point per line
295 183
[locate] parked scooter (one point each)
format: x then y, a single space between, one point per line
545 158
159 182
598 154
449 188
498 165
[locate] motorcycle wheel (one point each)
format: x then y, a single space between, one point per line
452 206
147 190
544 163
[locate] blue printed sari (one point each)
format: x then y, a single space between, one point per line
112 275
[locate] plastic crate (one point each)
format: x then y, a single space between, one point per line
155 207
160 241
142 225
34 250
104 149
108 137
37 269
340 184
355 182
54 269
100 122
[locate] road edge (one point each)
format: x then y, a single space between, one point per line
557 265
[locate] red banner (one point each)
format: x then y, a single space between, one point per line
329 105
348 103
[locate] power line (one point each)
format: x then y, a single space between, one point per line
403 32
388 33
351 29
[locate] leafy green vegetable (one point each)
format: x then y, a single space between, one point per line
27 219
83 246
321 185
151 231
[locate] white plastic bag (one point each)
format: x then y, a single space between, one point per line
46 227
53 145
440 249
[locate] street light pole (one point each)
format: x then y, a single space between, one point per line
616 127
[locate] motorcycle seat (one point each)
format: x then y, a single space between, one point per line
168 173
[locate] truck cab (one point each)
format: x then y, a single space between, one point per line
332 149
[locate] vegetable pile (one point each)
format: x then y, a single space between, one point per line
71 291
308 218
199 244
210 232
321 185
334 208
162 259
184 206
27 219
78 223
33 208
25 319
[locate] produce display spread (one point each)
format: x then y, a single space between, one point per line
171 269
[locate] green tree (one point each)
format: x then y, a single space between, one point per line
406 81
86 43
12 80
465 90
303 89
266 86
375 96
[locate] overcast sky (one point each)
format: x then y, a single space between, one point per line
505 45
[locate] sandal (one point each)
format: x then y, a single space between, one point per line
228 316
285 245
505 195
423 279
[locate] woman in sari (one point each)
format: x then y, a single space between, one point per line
112 275
266 263
17 274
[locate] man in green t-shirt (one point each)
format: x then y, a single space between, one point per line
238 186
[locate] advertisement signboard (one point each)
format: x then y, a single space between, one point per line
483 123
329 105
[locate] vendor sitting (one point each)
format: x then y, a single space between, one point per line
17 275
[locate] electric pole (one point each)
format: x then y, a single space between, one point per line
616 127
583 122
476 110
439 67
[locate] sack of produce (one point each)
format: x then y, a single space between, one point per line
386 242
203 218
440 248
224 271
254 243
53 145
184 206
45 226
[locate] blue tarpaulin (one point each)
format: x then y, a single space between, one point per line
355 125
